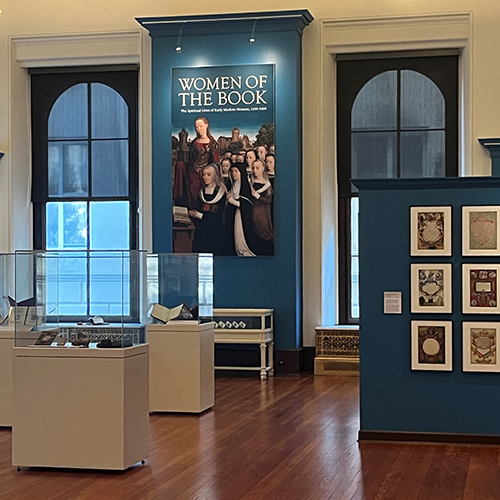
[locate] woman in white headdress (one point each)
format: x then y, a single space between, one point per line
209 213
239 225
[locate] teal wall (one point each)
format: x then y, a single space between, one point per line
261 282
393 397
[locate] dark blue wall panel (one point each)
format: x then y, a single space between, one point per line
393 397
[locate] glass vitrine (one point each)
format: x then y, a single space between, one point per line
80 298
7 291
180 287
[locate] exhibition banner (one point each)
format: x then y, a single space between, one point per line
223 163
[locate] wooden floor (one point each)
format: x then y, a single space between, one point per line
287 438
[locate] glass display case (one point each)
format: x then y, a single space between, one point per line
80 298
180 332
179 288
7 316
6 290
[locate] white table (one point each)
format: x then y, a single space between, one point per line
263 336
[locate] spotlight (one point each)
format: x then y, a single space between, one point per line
252 36
178 49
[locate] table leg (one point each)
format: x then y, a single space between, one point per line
271 358
263 372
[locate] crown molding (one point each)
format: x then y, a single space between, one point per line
454 18
286 20
77 49
383 33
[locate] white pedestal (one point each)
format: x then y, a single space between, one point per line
181 366
6 345
80 408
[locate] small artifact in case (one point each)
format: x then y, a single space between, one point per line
81 339
47 337
110 344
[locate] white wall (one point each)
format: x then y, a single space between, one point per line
28 17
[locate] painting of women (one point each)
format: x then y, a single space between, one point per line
203 151
208 215
262 193
238 219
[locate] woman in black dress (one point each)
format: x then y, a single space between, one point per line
208 217
238 219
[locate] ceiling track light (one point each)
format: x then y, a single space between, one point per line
252 36
178 48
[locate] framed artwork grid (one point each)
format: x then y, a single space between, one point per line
480 340
430 231
481 230
431 345
431 288
480 288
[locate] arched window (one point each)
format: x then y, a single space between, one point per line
397 117
84 191
393 137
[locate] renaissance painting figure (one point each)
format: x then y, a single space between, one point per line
270 168
203 151
238 219
208 216
226 165
251 156
261 152
262 194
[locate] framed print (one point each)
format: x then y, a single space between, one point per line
20 317
31 317
430 231
480 347
431 288
431 345
480 288
481 230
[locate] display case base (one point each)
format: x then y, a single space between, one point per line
336 366
181 366
6 346
80 408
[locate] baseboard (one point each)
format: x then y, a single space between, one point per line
428 437
307 363
286 361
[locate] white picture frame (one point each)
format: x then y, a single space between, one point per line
430 231
480 288
480 346
481 230
431 290
20 315
431 345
